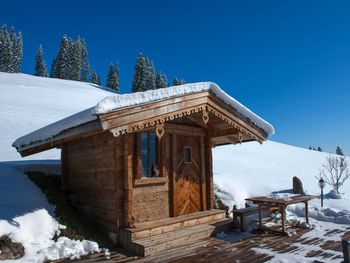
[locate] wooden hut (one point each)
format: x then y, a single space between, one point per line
141 163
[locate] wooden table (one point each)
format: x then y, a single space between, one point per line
281 203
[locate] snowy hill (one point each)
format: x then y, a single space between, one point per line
30 102
252 169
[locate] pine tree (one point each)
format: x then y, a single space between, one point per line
339 151
319 149
140 72
61 66
177 81
95 78
5 51
150 75
40 65
161 81
85 66
310 148
18 53
74 53
112 81
71 61
11 50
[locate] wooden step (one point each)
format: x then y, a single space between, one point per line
222 225
181 237
172 224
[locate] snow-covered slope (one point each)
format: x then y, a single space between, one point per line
252 169
29 103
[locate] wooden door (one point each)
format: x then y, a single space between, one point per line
187 166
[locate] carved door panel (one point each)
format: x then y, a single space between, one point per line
187 195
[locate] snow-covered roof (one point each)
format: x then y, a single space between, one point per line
119 101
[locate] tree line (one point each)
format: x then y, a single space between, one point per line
72 63
338 150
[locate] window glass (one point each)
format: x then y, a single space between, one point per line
144 154
187 155
149 155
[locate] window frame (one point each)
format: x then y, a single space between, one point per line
189 148
139 165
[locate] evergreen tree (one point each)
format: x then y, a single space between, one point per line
85 66
339 151
319 149
71 61
161 81
18 53
40 65
74 53
61 66
310 148
11 50
112 81
177 81
5 50
150 75
95 78
140 74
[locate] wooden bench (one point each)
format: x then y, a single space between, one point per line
243 212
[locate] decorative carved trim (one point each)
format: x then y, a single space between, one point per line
160 130
205 116
159 122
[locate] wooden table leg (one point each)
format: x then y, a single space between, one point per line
260 217
307 212
283 215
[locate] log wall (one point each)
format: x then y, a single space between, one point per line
94 177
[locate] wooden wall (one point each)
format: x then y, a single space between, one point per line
89 171
151 200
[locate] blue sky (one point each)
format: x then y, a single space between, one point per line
289 61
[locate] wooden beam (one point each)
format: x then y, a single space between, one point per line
128 177
64 167
180 129
219 133
209 176
203 175
173 174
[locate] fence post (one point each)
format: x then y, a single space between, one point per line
346 250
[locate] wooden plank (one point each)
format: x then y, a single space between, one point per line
128 175
64 166
203 175
173 174
209 176
172 128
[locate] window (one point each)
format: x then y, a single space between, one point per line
148 154
187 155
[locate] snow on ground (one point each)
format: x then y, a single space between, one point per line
250 169
29 103
27 217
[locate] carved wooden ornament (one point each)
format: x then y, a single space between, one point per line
205 117
160 130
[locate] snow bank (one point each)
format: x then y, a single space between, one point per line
35 231
120 101
26 216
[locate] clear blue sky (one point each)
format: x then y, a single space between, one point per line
289 61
